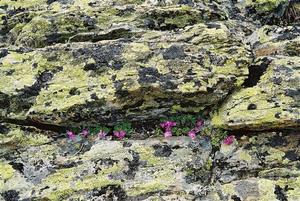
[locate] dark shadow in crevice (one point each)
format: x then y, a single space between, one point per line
38 125
256 71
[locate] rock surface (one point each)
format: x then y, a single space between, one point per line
271 95
261 167
84 63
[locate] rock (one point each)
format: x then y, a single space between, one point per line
259 166
109 81
270 98
104 168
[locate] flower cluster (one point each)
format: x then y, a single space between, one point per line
167 126
120 134
229 140
192 133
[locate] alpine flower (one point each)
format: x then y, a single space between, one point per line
167 134
229 140
167 126
71 135
192 134
102 134
85 132
120 134
199 124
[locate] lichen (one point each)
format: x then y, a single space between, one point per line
6 171
64 182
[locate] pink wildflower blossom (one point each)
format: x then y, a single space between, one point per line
229 140
192 134
102 134
120 134
85 132
199 123
71 135
167 134
167 126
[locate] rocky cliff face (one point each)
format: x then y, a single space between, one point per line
75 63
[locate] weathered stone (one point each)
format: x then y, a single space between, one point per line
270 98
130 80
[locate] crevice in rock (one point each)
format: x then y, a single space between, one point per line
96 37
280 193
256 71
38 125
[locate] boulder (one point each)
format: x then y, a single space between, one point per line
138 79
270 99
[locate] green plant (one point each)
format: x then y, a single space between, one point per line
216 135
95 130
124 126
184 123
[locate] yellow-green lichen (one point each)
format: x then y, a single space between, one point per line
65 182
264 5
23 3
6 171
152 186
147 154
18 137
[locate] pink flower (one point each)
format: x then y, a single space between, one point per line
167 134
199 123
120 134
168 124
85 132
192 134
229 140
102 134
71 135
